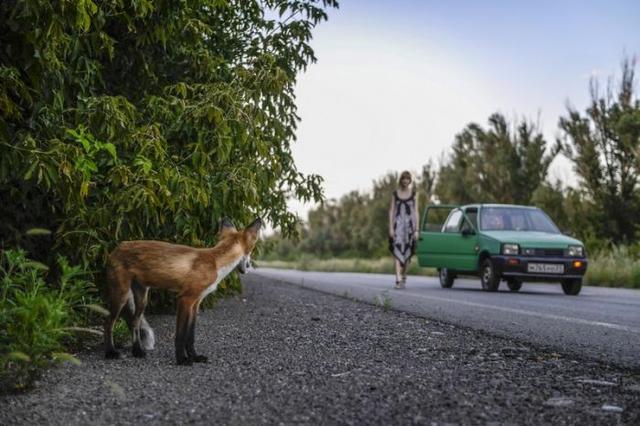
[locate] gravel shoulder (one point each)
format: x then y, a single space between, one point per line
284 354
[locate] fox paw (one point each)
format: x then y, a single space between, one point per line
112 354
200 358
184 361
138 352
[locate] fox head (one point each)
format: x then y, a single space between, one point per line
247 239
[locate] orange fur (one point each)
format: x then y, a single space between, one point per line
135 266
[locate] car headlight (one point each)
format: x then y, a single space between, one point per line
575 251
510 249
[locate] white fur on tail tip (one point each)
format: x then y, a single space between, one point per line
147 336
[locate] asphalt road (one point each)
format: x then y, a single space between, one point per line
282 354
600 323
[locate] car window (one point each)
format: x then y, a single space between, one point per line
472 215
452 223
516 219
466 225
541 222
436 218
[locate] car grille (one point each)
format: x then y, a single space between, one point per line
548 252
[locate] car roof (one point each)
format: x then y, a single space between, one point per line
516 206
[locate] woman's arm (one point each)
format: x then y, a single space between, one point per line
392 214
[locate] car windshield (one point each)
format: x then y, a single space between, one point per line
516 219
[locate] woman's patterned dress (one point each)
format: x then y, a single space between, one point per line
403 244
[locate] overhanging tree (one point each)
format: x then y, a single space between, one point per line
149 119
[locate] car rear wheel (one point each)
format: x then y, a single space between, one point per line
572 287
489 279
446 278
514 285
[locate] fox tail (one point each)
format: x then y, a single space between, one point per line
147 336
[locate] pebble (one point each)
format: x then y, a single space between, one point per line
612 408
632 388
560 401
597 382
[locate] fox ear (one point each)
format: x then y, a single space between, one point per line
226 223
225 226
255 226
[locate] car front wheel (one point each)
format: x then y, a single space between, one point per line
446 278
489 279
572 287
514 285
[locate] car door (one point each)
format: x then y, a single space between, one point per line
430 242
448 247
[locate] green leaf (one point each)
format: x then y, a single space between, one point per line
30 170
82 330
35 265
64 356
34 232
97 308
79 137
111 149
18 356
181 89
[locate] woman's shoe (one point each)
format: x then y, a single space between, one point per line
399 285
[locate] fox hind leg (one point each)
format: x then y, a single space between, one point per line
147 336
118 284
140 294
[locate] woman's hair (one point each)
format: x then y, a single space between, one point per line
405 174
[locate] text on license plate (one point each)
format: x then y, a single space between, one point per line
545 268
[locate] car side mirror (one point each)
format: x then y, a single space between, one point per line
468 232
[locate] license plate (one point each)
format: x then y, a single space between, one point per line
545 268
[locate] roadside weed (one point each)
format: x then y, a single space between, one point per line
383 300
40 317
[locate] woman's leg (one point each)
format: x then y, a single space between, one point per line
398 270
405 269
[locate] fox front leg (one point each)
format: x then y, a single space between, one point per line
183 323
191 337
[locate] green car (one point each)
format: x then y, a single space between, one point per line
499 242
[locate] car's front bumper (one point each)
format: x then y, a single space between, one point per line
517 267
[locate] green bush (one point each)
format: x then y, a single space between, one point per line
149 120
39 320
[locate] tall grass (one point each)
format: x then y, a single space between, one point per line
615 267
383 265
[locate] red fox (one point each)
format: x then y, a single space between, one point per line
134 266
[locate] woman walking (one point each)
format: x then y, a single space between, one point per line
403 226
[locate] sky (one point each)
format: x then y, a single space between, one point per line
395 81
